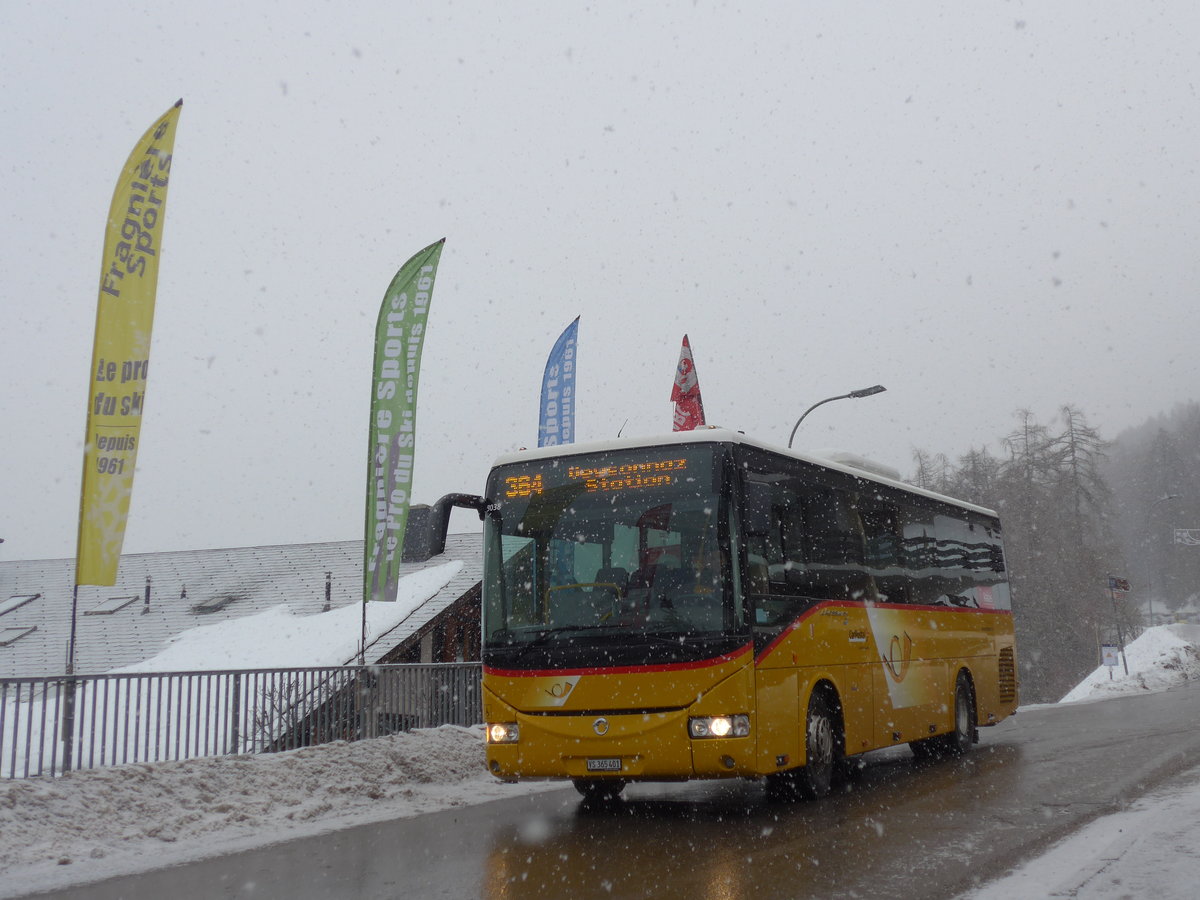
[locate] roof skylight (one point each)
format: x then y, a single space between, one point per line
111 605
16 602
14 633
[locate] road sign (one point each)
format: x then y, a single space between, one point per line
1108 655
1118 584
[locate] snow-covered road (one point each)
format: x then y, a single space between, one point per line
1151 849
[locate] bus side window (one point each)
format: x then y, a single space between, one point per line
756 524
756 508
920 555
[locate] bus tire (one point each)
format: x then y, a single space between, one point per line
959 741
822 748
599 790
964 734
926 748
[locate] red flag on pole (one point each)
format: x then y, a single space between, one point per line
685 394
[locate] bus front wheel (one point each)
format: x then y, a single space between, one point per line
823 752
821 748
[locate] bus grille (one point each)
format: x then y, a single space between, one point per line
1008 676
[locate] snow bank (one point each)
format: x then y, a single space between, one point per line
1162 657
102 822
1147 850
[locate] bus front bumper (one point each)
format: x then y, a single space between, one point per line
630 746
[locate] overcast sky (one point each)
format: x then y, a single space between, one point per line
984 206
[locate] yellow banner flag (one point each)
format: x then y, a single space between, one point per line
121 353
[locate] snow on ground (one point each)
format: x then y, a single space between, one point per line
1151 849
101 822
104 822
1163 656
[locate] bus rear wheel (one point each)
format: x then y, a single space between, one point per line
958 741
599 790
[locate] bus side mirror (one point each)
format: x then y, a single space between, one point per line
756 508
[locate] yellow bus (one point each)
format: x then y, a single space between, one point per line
708 606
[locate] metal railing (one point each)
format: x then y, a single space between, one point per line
56 724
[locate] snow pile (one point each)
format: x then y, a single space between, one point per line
102 822
279 639
1162 657
1147 850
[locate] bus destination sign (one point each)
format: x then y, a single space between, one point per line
630 476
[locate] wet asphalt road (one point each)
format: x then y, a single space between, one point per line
901 829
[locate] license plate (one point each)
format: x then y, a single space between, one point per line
610 764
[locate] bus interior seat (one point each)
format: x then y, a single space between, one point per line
668 581
650 575
614 575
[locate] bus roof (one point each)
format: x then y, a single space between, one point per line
711 434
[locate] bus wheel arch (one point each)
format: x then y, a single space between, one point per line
824 748
965 729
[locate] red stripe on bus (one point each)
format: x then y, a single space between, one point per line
621 670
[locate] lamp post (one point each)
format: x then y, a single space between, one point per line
853 395
1149 567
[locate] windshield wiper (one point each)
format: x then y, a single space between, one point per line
543 639
673 639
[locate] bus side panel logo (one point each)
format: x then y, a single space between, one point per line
898 667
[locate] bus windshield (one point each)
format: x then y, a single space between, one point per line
616 557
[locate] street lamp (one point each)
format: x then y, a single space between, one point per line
1149 568
864 392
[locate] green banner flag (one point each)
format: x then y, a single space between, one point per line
399 336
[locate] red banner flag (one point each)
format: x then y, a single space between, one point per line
685 394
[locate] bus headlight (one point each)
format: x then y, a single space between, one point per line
719 726
503 733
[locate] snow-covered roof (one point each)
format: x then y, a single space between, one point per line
200 587
838 461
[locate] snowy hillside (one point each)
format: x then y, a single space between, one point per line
109 821
1162 657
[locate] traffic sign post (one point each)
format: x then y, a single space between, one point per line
1108 657
1122 585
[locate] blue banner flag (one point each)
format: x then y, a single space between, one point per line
557 422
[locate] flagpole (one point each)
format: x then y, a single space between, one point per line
362 644
68 721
